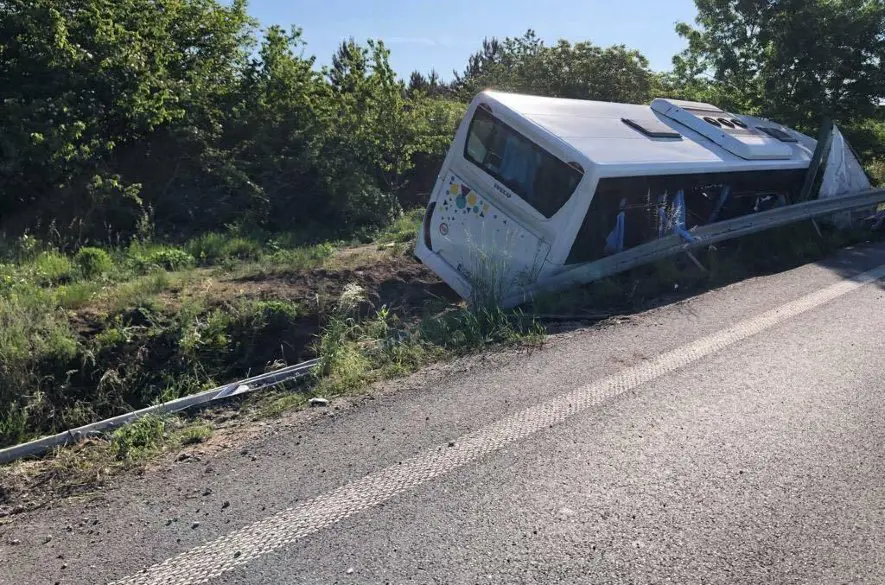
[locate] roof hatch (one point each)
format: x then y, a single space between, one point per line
652 128
726 130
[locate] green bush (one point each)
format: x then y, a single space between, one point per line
343 366
207 248
171 259
113 335
147 257
24 248
229 340
213 248
11 277
270 313
13 425
257 330
93 262
241 249
52 268
31 328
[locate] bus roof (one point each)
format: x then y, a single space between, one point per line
598 131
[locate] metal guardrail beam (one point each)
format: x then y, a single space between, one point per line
45 444
703 236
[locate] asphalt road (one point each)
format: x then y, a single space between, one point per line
736 437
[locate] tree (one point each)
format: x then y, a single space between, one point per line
581 70
429 85
114 113
484 65
92 90
170 114
277 130
417 83
792 60
499 65
586 71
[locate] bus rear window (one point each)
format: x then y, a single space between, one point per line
538 177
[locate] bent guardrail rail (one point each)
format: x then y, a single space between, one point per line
41 446
701 236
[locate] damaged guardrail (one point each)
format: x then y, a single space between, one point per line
700 236
45 444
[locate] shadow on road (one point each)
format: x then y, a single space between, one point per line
588 308
851 262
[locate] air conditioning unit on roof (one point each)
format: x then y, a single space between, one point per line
730 132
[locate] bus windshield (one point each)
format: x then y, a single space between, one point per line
538 177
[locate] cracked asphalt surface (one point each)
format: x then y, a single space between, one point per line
762 462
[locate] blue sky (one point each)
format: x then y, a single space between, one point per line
441 34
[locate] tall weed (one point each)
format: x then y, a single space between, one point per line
213 247
35 340
52 267
403 229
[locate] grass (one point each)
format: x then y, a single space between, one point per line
143 438
140 292
876 170
403 230
76 294
278 403
138 439
33 332
287 261
81 468
192 434
108 331
361 256
213 248
356 351
302 258
488 276
51 267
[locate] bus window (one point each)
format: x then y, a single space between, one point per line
539 178
644 201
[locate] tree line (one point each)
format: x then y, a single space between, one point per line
165 118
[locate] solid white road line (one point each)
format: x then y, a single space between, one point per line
210 560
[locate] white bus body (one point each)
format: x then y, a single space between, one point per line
532 185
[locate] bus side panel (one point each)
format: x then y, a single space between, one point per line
479 241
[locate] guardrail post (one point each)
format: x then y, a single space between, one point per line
821 152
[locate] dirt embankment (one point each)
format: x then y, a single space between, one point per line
388 278
399 282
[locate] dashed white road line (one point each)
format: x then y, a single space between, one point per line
237 548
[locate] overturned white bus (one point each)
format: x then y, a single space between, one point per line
534 186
